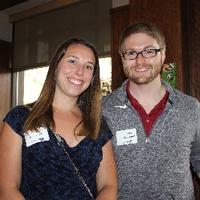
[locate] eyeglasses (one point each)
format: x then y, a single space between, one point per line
147 53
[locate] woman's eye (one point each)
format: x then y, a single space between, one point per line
90 67
71 61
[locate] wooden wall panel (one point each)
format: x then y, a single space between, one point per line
120 18
5 78
194 48
192 54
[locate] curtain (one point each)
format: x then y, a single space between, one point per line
37 38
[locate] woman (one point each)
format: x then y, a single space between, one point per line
59 148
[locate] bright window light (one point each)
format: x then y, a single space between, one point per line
105 74
32 80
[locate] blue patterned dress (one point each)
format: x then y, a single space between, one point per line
46 170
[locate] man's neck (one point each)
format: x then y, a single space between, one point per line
148 95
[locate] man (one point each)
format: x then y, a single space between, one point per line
156 128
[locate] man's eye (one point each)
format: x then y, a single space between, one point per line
150 50
131 53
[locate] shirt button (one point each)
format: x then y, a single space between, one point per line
147 120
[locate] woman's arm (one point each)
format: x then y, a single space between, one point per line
10 164
107 175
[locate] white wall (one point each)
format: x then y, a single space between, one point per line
5 28
118 3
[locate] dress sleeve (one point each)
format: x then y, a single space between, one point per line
105 134
16 118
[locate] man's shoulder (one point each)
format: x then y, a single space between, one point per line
119 94
107 98
184 99
111 98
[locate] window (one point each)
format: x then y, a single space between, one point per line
33 81
29 82
105 74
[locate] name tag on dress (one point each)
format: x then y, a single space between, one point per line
125 137
33 137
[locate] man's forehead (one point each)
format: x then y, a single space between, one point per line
140 40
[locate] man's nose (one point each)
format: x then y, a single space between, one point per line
139 58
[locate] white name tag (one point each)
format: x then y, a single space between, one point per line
33 137
125 137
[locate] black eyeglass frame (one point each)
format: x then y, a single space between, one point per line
140 52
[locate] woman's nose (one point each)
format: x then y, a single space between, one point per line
79 69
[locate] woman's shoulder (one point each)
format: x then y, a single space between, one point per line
17 112
16 117
105 133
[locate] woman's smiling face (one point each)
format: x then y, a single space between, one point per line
75 70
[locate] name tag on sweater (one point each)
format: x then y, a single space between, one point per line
33 137
125 137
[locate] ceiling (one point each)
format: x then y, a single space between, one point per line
9 7
5 4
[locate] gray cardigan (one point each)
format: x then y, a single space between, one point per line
157 168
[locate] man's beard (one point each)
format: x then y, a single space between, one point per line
154 71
